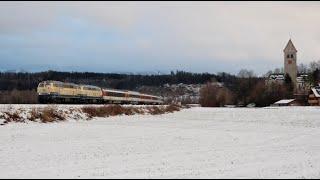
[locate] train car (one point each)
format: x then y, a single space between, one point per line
149 99
129 97
114 96
60 92
91 94
134 97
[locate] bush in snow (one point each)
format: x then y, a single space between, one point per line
50 114
12 117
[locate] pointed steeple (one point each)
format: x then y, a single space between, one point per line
290 47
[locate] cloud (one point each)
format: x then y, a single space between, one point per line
18 17
222 36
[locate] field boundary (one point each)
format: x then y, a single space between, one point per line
54 113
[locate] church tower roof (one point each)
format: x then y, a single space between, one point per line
290 47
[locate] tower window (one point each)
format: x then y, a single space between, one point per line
291 55
288 56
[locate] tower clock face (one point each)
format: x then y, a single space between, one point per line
289 61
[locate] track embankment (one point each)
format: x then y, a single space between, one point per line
56 113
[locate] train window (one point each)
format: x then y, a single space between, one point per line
69 86
146 97
56 85
91 88
134 96
120 95
116 94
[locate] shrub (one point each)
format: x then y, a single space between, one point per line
129 110
90 111
172 108
137 110
34 114
215 96
154 110
103 111
114 110
12 117
50 114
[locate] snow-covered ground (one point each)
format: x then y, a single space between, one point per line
192 143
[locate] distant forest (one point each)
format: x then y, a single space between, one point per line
29 81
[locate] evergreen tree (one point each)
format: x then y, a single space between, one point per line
289 86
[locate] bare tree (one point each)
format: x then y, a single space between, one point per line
277 71
244 73
267 74
215 96
314 65
302 68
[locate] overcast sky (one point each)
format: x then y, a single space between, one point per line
156 36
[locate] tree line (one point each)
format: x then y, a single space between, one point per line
247 88
29 81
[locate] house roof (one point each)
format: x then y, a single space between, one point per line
290 47
276 77
316 91
300 77
284 101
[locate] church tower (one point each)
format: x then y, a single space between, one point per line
290 62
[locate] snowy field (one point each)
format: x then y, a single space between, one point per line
192 143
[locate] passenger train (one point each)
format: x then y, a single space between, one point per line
60 92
